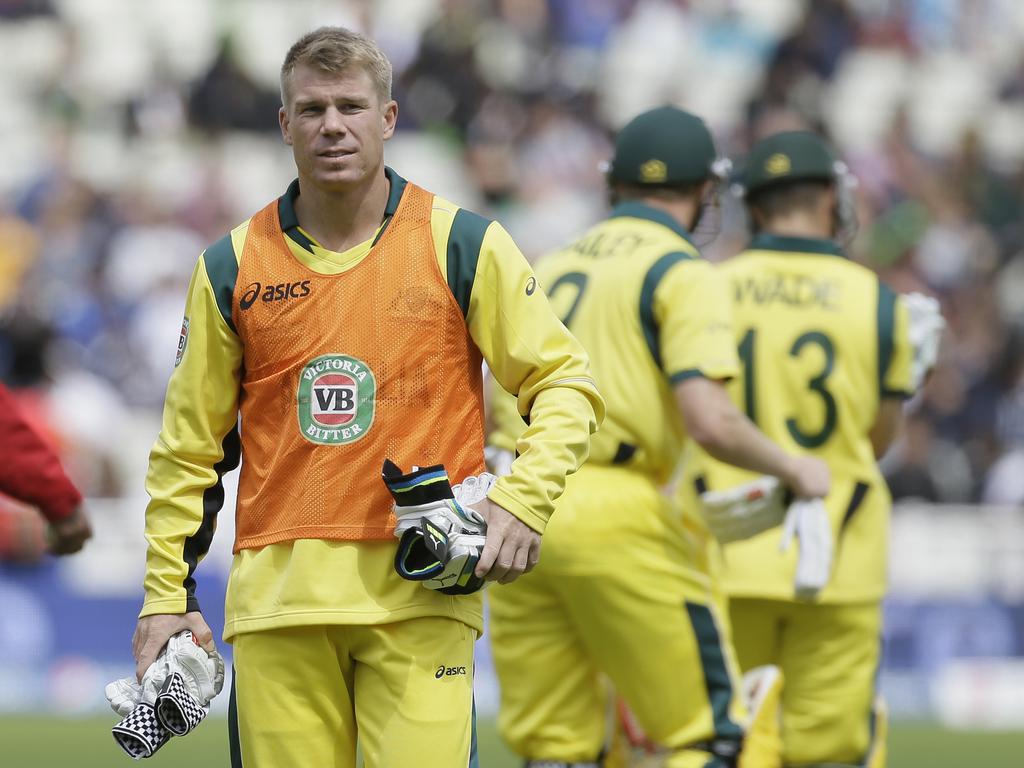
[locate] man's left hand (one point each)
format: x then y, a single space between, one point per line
512 548
152 633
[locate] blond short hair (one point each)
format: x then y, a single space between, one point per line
335 50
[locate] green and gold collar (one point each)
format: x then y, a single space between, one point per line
290 221
764 241
637 210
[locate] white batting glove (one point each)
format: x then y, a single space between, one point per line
807 520
173 698
124 695
745 510
202 674
473 489
926 326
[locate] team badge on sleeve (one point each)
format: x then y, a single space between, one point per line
337 398
182 342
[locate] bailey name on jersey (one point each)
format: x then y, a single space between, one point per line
602 245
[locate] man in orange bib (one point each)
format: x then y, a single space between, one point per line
342 325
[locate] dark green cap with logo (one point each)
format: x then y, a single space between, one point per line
663 147
787 157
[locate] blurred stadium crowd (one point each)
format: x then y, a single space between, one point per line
136 133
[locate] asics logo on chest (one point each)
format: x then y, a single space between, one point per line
268 293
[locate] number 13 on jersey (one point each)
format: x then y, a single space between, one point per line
803 434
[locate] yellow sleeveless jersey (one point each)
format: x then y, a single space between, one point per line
314 580
650 312
821 341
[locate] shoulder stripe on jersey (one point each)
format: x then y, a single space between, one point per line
464 242
886 326
222 269
198 544
651 280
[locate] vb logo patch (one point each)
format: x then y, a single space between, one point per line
182 342
337 398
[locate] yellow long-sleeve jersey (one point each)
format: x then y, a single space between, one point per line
822 341
651 312
315 581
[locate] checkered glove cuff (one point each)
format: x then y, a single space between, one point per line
176 708
140 733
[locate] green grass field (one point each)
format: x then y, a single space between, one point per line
41 742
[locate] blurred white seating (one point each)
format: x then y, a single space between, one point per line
1001 131
773 18
112 58
24 145
869 87
183 35
99 156
645 61
957 551
259 168
432 163
32 51
267 28
947 94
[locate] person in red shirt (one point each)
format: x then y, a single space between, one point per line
30 472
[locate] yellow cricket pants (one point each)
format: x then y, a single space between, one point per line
302 696
614 593
829 655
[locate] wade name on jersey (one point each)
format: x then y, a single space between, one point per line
797 291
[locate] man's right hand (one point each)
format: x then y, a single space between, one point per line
153 632
69 535
808 477
511 549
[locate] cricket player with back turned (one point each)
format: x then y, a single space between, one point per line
829 353
623 590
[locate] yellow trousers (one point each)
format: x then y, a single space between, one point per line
829 655
303 696
615 594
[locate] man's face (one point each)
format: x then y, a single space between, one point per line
336 126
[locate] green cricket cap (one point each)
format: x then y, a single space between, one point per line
663 147
786 157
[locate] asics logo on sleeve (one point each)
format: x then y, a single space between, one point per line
279 292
